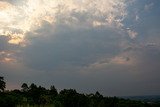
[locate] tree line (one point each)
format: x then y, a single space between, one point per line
38 95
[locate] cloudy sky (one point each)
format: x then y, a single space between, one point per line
110 46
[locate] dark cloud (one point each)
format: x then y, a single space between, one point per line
70 48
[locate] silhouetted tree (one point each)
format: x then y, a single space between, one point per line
2 84
25 87
38 95
33 94
33 86
70 98
53 91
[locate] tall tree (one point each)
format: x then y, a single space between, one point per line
53 91
2 84
24 87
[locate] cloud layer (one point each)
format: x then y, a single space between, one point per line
109 46
18 18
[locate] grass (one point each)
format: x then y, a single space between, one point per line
35 106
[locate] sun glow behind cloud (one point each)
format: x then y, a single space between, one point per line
16 20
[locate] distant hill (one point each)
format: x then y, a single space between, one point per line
148 98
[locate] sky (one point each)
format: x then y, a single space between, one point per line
110 46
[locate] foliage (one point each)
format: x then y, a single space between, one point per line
34 95
2 84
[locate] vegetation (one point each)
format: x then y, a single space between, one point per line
38 96
2 84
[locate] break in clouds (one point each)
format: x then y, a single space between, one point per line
107 45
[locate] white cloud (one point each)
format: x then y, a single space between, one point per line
137 18
27 17
147 7
132 34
